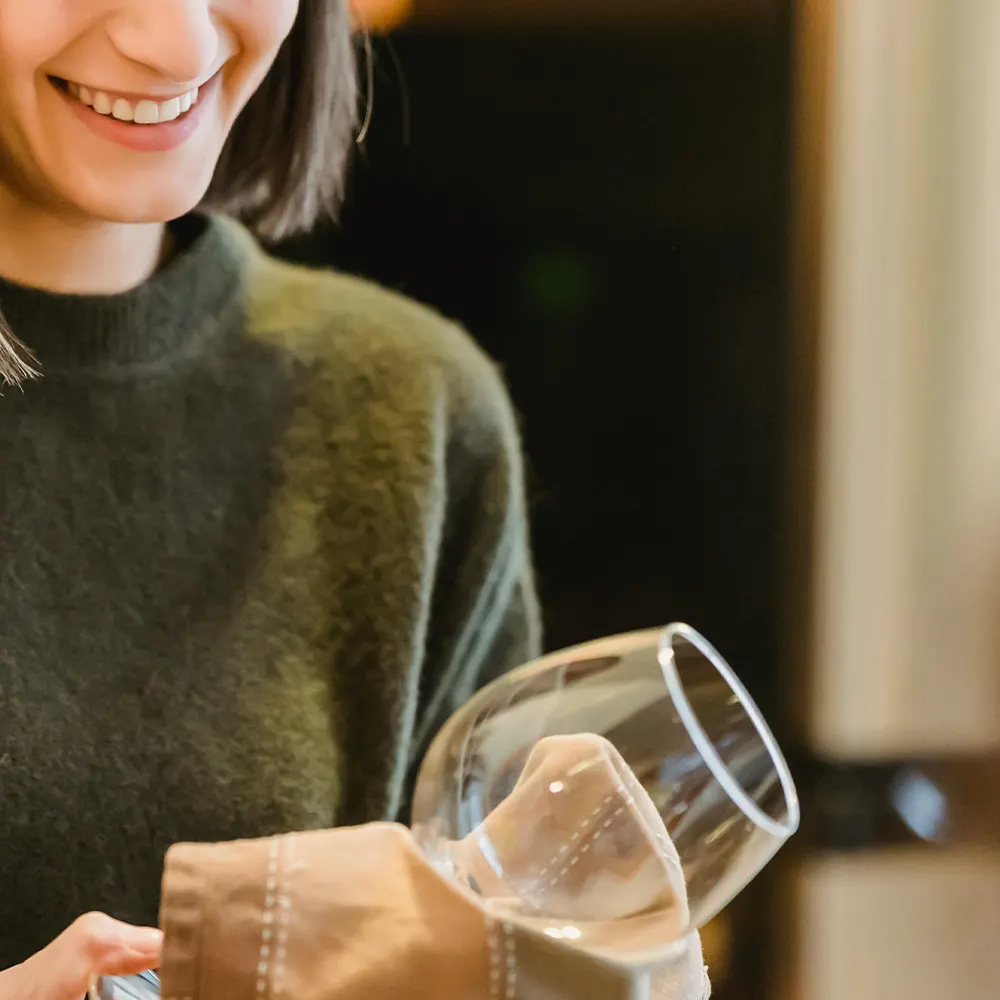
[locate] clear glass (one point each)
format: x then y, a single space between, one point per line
680 767
144 986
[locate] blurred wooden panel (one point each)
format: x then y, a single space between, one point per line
899 925
575 12
904 657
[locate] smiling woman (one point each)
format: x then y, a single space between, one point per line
261 528
281 162
64 185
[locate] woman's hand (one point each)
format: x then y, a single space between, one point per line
93 945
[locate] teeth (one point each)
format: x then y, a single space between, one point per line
141 112
168 110
146 113
122 110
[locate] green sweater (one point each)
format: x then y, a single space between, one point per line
261 529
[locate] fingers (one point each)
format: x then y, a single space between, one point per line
94 945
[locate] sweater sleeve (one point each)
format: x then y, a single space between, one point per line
484 616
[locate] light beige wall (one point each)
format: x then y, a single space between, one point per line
895 584
904 218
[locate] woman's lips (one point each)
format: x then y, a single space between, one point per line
128 121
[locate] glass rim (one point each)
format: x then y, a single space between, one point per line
721 773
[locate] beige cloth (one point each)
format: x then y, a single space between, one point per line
359 913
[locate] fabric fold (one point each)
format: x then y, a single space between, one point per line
359 913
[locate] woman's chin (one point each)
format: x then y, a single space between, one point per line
139 205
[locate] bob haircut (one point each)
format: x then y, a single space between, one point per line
283 167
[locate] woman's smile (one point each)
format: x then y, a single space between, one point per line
144 123
128 107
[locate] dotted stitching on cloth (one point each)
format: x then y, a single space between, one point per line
584 837
492 940
284 917
511 961
577 833
267 918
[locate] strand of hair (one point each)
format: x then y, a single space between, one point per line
17 364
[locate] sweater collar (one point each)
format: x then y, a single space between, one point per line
173 312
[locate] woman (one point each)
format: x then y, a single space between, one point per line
261 528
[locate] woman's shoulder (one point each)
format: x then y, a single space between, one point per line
352 327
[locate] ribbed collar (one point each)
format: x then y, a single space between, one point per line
170 314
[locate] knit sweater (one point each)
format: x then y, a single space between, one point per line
261 529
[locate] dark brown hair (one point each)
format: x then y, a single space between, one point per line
283 166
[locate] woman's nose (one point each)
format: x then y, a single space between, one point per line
178 39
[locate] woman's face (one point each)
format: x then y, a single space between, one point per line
118 110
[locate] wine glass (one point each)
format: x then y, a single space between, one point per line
615 795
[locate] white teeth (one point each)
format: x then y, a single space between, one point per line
146 113
122 110
141 112
168 110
